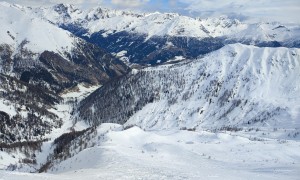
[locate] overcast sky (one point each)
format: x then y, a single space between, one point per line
262 10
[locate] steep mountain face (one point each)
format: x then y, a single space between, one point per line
38 62
155 38
235 87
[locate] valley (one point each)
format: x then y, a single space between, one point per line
105 93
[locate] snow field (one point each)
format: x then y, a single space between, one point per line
176 154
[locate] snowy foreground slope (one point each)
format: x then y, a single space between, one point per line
173 154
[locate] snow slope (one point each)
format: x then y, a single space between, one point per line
238 86
136 154
17 27
267 78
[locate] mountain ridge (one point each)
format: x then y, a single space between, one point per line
155 38
211 90
95 20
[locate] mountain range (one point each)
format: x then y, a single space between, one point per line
88 89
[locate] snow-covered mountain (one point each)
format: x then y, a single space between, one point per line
41 35
237 87
70 106
43 48
38 61
154 38
164 24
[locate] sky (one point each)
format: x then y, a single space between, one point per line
287 11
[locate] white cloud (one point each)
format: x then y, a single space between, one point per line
274 10
129 3
258 10
82 3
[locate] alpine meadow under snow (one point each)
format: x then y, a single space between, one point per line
112 94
